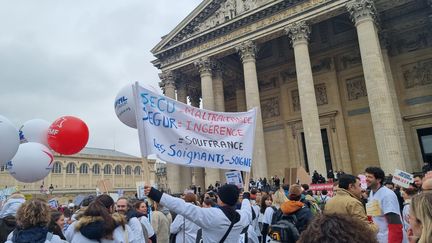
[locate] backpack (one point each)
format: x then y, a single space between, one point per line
322 202
283 227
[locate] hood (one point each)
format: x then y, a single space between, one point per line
11 206
91 227
31 235
291 207
164 210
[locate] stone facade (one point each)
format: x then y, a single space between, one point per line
356 70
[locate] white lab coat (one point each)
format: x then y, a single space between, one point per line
213 221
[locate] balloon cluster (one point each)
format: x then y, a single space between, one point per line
26 153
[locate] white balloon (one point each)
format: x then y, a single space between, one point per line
32 162
35 130
9 140
124 104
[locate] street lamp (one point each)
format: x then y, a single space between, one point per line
51 189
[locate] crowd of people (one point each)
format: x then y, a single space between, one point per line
268 212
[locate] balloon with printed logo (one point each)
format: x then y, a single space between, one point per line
31 163
35 130
68 135
124 104
9 140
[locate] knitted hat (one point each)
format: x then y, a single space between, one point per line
229 194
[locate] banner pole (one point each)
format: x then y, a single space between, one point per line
246 181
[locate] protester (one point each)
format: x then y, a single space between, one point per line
131 215
383 206
223 224
277 199
421 218
161 220
347 200
337 228
56 224
407 194
98 223
149 233
32 220
8 213
184 229
294 207
418 181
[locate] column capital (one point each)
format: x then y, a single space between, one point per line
204 65
194 93
167 78
247 51
362 10
298 32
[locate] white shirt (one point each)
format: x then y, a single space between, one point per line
185 229
213 221
268 215
388 203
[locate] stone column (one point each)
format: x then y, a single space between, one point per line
389 74
219 100
299 35
173 170
198 172
205 66
384 122
247 51
185 172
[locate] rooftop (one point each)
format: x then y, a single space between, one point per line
105 152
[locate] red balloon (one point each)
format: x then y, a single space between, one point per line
68 135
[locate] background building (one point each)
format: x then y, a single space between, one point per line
83 172
342 84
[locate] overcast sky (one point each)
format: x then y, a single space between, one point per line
61 57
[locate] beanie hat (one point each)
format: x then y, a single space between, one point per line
229 194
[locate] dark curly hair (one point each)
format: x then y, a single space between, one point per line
337 228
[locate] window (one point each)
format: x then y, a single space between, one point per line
84 169
57 168
128 170
137 170
118 170
96 169
107 170
70 168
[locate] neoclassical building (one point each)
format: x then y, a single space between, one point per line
80 173
342 84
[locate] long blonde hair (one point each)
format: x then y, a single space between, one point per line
421 208
279 198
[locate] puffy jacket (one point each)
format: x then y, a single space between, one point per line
88 230
302 213
33 235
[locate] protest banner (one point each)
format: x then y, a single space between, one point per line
324 186
5 193
53 203
104 185
402 178
234 178
299 174
181 134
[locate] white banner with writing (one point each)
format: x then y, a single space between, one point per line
234 178
181 134
402 178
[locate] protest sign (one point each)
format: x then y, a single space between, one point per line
53 203
234 178
363 183
140 189
181 134
402 178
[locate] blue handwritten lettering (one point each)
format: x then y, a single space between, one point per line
162 104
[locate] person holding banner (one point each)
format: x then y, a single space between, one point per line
223 224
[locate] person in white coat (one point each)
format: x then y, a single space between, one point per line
97 224
223 224
32 220
126 210
185 230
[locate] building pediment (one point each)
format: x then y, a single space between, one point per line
208 16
